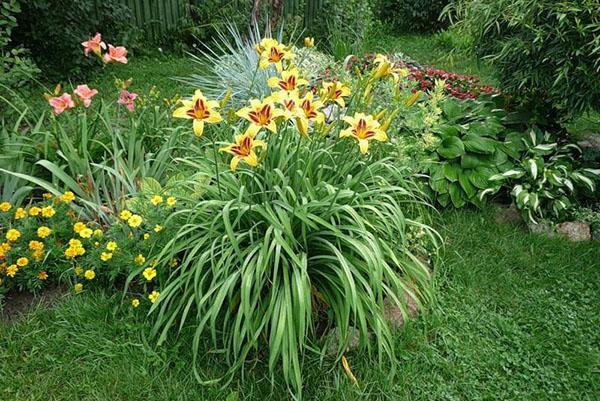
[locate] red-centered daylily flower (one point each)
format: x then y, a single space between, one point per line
243 150
127 99
94 45
260 115
289 80
85 94
309 111
115 54
61 103
290 103
272 52
335 92
363 128
200 110
386 68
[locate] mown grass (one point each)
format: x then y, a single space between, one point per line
516 318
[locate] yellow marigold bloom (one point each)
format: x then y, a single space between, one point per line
384 68
146 235
309 112
106 256
156 200
38 255
289 80
89 274
171 201
309 42
20 213
98 232
290 102
135 302
86 233
12 270
5 206
36 245
22 262
158 228
34 211
78 227
200 111
260 115
149 273
139 259
68 197
78 270
78 288
42 275
363 128
112 246
48 211
12 235
134 221
47 195
125 215
153 297
75 243
43 232
243 149
272 52
335 92
5 246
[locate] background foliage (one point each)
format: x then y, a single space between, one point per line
411 15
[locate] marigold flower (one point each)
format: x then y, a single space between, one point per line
34 211
94 45
78 227
78 270
289 80
61 103
98 232
78 288
171 201
12 270
200 111
363 128
125 215
48 211
135 302
22 262
112 246
36 245
5 207
146 236
85 94
149 273
158 228
86 233
20 213
156 200
335 92
243 149
106 256
47 195
139 259
43 232
38 255
12 235
42 275
115 54
89 274
309 42
260 115
127 99
134 221
153 297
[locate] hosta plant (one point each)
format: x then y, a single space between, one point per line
544 183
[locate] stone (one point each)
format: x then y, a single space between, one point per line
393 314
575 230
353 340
541 228
596 235
508 215
592 141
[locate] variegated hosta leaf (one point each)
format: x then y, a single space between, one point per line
533 167
583 179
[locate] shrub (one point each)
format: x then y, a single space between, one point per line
547 53
412 15
54 40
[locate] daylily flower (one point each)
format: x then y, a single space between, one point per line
200 110
386 68
309 112
363 128
289 80
272 52
261 115
116 54
309 42
85 94
243 149
335 92
94 45
61 103
290 102
127 99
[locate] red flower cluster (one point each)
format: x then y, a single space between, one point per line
460 86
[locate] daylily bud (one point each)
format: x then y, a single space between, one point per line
357 72
380 115
413 99
225 99
389 120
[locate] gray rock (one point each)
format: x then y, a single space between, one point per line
352 341
591 141
393 314
575 230
596 235
508 215
542 228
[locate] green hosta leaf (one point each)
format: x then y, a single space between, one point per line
456 195
150 185
478 144
439 186
449 130
478 178
466 185
444 199
500 157
453 109
451 171
451 148
473 161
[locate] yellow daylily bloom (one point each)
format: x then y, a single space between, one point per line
288 81
261 115
309 112
290 102
243 149
309 42
335 92
363 128
272 52
386 68
200 110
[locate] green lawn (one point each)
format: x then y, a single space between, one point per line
516 318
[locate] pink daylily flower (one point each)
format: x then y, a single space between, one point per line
127 99
116 54
85 94
94 45
61 103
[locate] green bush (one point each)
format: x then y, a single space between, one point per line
546 52
412 15
55 39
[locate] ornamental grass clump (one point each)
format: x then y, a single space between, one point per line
307 231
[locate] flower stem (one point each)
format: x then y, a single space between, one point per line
214 146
